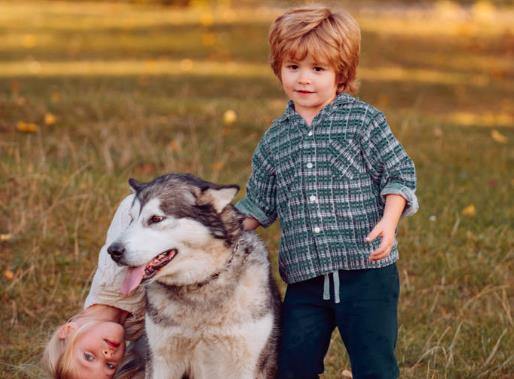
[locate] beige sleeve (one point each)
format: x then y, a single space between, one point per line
106 285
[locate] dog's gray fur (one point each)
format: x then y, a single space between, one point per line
218 321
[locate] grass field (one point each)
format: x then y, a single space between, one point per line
92 94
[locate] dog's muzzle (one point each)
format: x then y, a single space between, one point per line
116 251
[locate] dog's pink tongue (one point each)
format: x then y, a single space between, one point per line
132 278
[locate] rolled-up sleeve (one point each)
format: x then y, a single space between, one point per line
389 163
260 199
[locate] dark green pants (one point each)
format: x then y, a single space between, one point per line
366 317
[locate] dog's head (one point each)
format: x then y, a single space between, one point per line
182 230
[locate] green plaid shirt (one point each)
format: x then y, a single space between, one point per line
326 183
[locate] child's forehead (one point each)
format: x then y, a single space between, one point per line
309 50
304 56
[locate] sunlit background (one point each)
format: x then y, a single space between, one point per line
92 93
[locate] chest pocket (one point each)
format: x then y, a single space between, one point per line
345 158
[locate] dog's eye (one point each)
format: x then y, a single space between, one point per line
155 219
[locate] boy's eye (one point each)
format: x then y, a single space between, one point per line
89 357
318 68
292 66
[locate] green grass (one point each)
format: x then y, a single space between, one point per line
153 101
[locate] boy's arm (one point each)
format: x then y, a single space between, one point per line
106 285
386 227
259 202
389 164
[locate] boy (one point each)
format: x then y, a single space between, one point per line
333 173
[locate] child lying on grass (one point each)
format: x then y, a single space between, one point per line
91 344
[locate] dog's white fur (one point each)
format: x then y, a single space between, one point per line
221 331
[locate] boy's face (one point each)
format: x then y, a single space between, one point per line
309 84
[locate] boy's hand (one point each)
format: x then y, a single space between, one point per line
249 223
386 230
386 227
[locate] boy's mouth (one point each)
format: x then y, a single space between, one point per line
303 92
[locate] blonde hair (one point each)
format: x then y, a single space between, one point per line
330 37
58 353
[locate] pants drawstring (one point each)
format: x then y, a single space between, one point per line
336 287
326 287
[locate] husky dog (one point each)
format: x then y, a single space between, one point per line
212 306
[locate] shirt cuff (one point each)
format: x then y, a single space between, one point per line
408 194
249 208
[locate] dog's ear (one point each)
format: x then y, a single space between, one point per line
219 197
135 185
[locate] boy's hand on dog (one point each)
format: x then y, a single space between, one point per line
386 230
249 223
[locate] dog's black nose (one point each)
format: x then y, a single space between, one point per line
116 251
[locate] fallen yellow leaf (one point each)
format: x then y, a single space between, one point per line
5 237
470 210
208 39
206 19
8 275
229 117
50 119
28 41
217 166
174 146
55 97
498 137
27 127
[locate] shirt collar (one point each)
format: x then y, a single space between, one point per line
341 99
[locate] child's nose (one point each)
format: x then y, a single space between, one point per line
108 352
304 78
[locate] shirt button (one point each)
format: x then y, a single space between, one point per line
317 230
312 198
310 133
310 165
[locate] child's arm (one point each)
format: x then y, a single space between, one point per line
392 168
106 285
259 203
386 227
388 163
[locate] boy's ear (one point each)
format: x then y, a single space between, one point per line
67 329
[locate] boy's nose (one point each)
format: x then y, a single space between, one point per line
304 79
